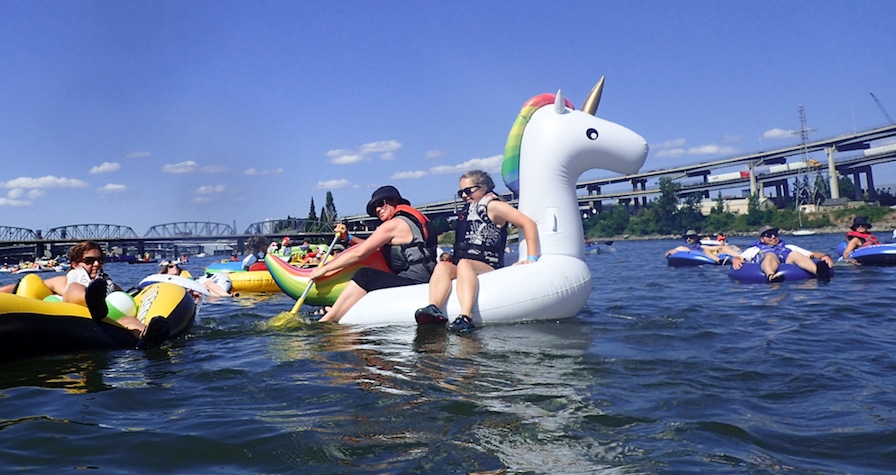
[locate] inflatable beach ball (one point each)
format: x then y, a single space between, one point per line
120 305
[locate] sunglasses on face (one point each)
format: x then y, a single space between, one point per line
468 191
768 234
92 260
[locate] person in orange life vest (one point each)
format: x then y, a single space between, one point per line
406 238
479 241
858 236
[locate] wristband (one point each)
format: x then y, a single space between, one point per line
532 258
350 237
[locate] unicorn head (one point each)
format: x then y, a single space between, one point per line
548 149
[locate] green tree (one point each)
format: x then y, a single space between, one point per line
665 208
847 187
755 214
328 213
312 213
690 214
613 221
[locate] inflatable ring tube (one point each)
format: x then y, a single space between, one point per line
292 280
689 259
32 286
30 327
752 272
840 248
188 284
227 266
876 255
253 281
260 265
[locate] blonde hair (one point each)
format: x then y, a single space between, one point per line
481 178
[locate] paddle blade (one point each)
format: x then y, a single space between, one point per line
283 321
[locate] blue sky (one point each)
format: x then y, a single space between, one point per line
143 113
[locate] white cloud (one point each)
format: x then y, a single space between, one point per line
113 188
674 143
256 172
670 153
182 167
491 165
332 184
137 155
384 149
15 193
48 181
35 193
106 167
201 200
777 134
711 149
383 146
348 158
434 154
8 202
210 189
408 175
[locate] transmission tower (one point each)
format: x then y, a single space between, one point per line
804 130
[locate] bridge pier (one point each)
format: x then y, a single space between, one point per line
833 176
857 179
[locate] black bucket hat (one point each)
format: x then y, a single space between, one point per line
860 221
381 194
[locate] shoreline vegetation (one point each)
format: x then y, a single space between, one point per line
667 217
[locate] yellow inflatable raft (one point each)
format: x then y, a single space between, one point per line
30 326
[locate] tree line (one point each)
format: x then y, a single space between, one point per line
670 214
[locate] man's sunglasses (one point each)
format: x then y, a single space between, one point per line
768 234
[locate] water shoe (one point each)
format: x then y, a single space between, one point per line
430 315
462 324
154 334
95 296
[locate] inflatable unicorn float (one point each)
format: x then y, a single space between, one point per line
549 147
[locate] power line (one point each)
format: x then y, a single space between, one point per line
881 107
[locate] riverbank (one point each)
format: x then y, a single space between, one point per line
883 226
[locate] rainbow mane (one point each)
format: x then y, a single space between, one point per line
510 167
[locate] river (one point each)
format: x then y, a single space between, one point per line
667 370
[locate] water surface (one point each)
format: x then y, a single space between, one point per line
665 371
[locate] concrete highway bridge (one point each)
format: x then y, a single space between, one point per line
757 171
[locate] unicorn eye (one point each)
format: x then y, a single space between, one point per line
591 134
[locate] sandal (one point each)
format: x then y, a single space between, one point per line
462 324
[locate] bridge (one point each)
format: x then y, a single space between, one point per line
760 172
168 240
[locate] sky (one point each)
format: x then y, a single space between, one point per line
143 113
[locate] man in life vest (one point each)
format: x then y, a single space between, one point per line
407 240
858 236
770 252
